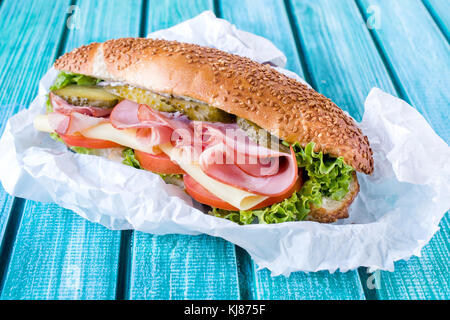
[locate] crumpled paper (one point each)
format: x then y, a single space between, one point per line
396 213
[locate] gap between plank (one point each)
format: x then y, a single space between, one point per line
124 267
144 18
387 64
435 18
126 236
9 238
64 33
299 43
217 8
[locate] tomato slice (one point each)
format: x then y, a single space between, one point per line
80 141
199 193
159 163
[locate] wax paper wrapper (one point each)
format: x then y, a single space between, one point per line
396 213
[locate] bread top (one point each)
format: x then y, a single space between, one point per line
283 106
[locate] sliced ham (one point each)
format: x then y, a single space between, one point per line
152 125
73 123
260 179
224 151
62 106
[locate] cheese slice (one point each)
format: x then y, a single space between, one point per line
124 137
238 198
41 123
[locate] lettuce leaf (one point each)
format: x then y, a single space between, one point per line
332 174
130 158
65 78
326 177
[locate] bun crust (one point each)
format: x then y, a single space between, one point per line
283 106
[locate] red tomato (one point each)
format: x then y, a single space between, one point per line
199 193
80 141
159 163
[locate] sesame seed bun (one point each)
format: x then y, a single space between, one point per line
283 106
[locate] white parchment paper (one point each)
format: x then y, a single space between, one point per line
396 213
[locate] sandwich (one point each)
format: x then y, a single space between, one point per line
249 143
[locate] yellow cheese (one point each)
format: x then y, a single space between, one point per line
103 131
124 137
41 123
240 199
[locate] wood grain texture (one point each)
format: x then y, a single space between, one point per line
440 11
341 57
310 286
167 13
270 20
419 57
59 255
71 257
427 277
182 267
179 266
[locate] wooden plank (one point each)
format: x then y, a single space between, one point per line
440 11
179 266
20 70
59 255
406 28
167 13
418 55
183 267
270 19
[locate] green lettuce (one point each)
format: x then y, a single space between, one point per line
332 174
130 158
65 78
326 177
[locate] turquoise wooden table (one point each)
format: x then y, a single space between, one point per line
342 47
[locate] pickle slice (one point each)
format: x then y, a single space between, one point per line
88 96
261 136
192 109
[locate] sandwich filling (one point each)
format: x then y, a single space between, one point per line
230 164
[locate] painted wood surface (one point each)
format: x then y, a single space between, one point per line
440 11
21 70
179 266
75 259
257 17
51 253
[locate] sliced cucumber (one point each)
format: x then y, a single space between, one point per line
88 96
